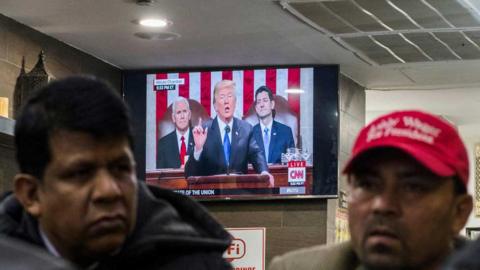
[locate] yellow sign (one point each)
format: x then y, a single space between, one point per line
342 232
4 106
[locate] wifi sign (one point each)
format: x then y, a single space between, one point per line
236 250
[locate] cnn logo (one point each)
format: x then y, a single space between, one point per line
297 174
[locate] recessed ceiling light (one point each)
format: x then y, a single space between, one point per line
295 91
157 36
145 2
154 22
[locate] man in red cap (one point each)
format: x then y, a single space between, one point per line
407 181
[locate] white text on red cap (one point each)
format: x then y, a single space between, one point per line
412 128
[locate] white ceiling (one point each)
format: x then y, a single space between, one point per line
244 33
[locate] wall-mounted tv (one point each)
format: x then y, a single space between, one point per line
305 100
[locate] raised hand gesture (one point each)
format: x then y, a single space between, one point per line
199 135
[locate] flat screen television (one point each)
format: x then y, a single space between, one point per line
306 100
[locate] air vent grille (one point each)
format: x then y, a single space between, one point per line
386 32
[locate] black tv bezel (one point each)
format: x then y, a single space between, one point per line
326 120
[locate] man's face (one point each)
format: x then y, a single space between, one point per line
88 197
400 214
225 101
181 116
264 105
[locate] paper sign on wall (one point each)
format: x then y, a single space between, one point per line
247 251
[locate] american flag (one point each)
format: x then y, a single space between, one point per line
199 86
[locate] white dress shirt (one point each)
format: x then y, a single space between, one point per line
179 138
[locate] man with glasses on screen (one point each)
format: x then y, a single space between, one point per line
407 181
226 144
77 195
174 148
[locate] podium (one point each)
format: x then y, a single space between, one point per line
235 185
228 181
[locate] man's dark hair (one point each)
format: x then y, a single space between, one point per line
270 95
458 187
264 89
79 104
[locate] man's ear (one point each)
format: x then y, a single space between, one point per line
26 188
273 104
463 208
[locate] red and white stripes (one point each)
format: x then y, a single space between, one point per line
199 86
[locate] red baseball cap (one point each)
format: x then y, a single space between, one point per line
427 138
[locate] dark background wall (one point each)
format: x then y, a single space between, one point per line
290 224
8 167
18 41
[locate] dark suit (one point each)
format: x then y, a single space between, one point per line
168 155
281 138
244 149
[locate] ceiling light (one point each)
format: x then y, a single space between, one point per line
294 91
154 22
145 2
157 36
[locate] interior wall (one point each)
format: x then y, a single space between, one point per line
18 41
293 224
470 142
471 137
352 118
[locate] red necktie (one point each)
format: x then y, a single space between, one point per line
183 151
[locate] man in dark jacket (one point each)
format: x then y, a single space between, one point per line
465 259
77 195
17 255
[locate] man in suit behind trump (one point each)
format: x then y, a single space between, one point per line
273 137
174 148
226 144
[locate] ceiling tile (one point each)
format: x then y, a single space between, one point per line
387 14
402 48
431 46
421 13
474 36
369 48
351 13
317 13
460 45
455 13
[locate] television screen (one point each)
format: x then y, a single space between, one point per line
293 122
